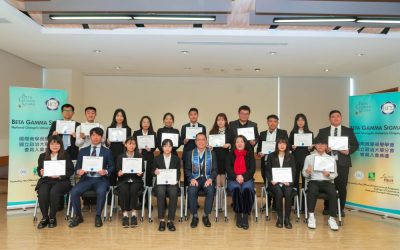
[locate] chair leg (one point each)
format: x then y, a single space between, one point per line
267 218
68 207
262 199
186 203
149 203
297 208
217 200
255 205
339 213
143 202
112 206
305 206
35 211
105 205
225 205
181 209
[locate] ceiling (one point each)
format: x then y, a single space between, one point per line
213 50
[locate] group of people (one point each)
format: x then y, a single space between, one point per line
205 167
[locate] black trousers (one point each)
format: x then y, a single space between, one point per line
129 195
161 191
341 186
280 193
49 194
316 187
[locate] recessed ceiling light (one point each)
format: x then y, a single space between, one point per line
185 52
326 70
238 69
272 53
117 67
360 54
257 70
97 51
176 18
382 20
187 68
53 17
206 69
314 19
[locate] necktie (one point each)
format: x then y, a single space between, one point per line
193 125
335 132
93 151
66 141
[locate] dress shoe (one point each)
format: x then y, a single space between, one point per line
43 223
288 225
206 221
98 222
125 222
76 221
133 221
195 221
279 222
161 227
245 221
171 226
52 223
239 220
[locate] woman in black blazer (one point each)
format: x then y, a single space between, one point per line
240 169
146 128
117 148
167 160
129 185
221 127
300 153
168 120
51 188
281 158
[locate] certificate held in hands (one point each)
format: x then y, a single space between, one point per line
132 165
216 140
282 175
145 141
86 127
303 140
247 132
191 132
65 127
324 163
166 177
267 147
92 163
338 142
54 168
174 138
117 134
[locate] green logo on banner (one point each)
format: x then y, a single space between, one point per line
371 176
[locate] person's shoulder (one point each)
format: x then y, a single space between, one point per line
42 155
252 123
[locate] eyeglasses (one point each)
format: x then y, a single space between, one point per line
68 110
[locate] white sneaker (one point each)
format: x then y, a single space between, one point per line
332 224
312 223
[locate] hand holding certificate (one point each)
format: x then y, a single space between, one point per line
65 127
132 165
324 163
166 177
92 163
191 132
338 142
267 147
54 168
117 134
145 141
174 138
216 140
303 140
282 175
247 132
86 127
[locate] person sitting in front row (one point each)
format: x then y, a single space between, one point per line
320 181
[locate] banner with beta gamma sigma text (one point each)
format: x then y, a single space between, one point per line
32 111
374 179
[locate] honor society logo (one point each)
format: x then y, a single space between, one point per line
388 108
26 100
362 107
52 104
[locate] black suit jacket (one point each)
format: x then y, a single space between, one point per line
174 164
234 125
117 148
273 161
72 150
159 137
250 166
300 153
190 145
108 162
188 166
263 137
343 160
147 155
127 177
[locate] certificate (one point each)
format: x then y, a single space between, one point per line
268 147
54 168
247 132
117 134
282 175
65 127
191 132
303 140
324 163
174 138
338 142
92 163
167 177
216 140
86 127
132 165
145 141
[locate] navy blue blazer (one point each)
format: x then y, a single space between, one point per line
108 162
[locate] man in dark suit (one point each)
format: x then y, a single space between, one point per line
271 134
68 112
189 143
98 181
244 122
201 170
343 159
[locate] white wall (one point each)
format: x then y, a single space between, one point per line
14 71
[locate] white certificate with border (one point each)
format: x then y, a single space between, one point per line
54 168
65 127
86 127
132 165
338 142
282 175
268 147
117 134
324 163
92 163
174 138
303 140
191 132
216 140
167 177
145 141
247 132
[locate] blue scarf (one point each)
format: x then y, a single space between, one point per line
198 161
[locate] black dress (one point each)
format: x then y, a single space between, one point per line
148 156
220 152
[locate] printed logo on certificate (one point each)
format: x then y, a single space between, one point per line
216 140
282 175
54 168
268 147
303 140
132 165
65 127
324 163
191 132
247 132
167 177
92 163
338 142
145 141
174 138
117 134
86 127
